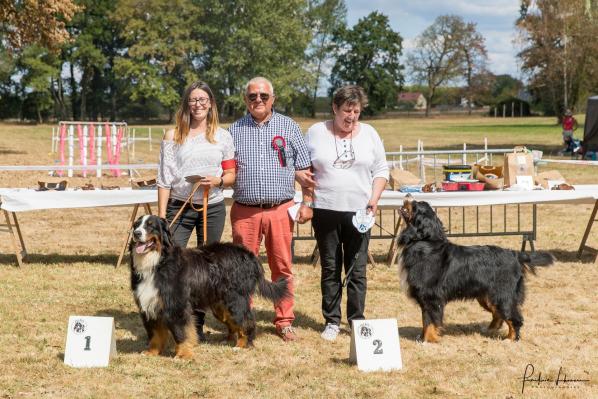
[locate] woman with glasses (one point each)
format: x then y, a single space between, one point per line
350 173
199 151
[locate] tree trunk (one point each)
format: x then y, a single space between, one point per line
315 96
74 107
85 80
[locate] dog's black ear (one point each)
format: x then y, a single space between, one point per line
166 236
408 235
428 224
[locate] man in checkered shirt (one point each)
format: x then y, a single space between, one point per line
269 149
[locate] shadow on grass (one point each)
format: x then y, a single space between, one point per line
50 259
571 256
130 321
5 151
414 333
302 321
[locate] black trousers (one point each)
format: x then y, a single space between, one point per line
191 219
183 228
339 242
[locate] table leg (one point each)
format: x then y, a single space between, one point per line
19 234
128 236
582 245
19 251
148 209
393 251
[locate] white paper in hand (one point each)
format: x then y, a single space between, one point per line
294 211
363 220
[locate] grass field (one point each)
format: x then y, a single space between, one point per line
70 271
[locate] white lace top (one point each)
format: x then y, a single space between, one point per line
196 156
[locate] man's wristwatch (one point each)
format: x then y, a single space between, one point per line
308 204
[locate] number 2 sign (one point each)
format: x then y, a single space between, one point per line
90 341
375 345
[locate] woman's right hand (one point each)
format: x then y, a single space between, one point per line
210 181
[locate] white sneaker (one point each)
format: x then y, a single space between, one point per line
330 332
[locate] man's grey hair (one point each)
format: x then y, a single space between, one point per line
259 79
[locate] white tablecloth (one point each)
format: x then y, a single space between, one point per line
581 194
20 200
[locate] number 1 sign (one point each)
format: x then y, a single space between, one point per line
90 341
375 345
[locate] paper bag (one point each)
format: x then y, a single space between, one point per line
490 175
399 177
546 178
520 162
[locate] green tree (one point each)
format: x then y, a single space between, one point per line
438 57
326 17
474 62
38 68
560 51
368 55
505 86
161 43
248 38
95 44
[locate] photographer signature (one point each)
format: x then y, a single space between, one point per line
561 380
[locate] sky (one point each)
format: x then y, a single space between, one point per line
495 20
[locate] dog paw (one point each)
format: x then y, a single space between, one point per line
150 352
184 356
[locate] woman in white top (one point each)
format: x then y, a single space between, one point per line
197 146
350 171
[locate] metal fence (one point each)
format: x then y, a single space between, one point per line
471 221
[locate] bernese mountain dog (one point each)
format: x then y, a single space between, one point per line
436 271
169 282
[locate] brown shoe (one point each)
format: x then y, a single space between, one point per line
287 333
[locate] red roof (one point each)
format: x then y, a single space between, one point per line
409 96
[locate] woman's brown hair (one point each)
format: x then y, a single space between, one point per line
183 115
350 94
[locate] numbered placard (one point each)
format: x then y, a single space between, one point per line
375 345
90 341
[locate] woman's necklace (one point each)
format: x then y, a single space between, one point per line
346 156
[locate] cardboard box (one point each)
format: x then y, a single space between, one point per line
551 177
399 177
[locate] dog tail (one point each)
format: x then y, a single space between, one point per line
533 259
274 291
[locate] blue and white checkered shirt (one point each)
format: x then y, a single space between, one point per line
261 179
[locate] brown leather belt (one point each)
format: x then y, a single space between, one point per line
266 206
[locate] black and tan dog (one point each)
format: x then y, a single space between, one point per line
168 282
437 272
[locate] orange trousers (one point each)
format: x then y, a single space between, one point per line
250 225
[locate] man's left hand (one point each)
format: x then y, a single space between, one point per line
305 214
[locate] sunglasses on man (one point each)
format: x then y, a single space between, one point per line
263 96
